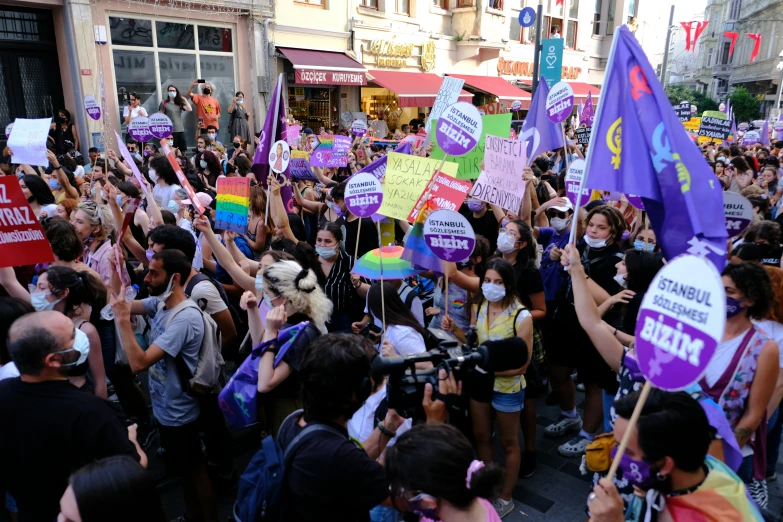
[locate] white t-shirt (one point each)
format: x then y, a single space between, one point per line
79 172
773 330
205 291
135 112
406 340
198 258
362 424
163 195
720 361
10 371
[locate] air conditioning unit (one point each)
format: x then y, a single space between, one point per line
261 82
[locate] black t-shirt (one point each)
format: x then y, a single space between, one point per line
51 429
330 478
529 282
369 235
416 123
486 225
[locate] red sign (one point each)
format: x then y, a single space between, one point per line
22 241
183 181
86 72
442 192
314 77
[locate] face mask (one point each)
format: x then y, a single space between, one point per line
637 472
570 134
165 295
620 279
493 292
260 282
81 343
119 200
211 136
639 245
206 91
339 211
330 204
54 184
200 149
172 206
137 156
94 190
475 205
733 307
39 302
149 254
559 224
595 243
721 158
146 153
506 243
203 164
153 175
326 252
268 300
240 101
172 94
237 144
504 222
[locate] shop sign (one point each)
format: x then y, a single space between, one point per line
525 69
394 53
314 77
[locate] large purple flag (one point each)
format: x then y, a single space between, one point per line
540 133
680 192
588 114
765 134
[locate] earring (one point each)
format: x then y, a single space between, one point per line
660 477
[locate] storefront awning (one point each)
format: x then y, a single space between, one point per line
495 86
412 89
324 67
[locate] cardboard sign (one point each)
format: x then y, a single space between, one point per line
470 163
139 129
279 156
717 128
27 141
22 240
693 124
751 137
448 94
292 135
738 211
680 322
161 125
683 111
501 181
442 192
560 102
405 180
583 135
183 181
449 236
573 181
92 107
299 166
332 151
233 202
459 129
363 194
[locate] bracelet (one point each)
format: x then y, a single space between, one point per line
383 429
57 167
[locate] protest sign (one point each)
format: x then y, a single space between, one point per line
8 129
131 164
738 211
161 125
279 156
583 135
22 241
717 128
183 181
560 102
363 194
233 201
292 135
449 236
501 181
693 124
359 128
128 215
28 141
299 166
751 137
442 192
470 163
405 179
459 128
448 94
573 181
680 322
92 107
310 142
139 129
683 111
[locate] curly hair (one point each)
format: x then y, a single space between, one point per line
768 231
98 216
300 287
753 281
617 223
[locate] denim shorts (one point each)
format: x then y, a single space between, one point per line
508 402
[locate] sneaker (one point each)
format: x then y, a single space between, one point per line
574 447
502 507
528 466
563 425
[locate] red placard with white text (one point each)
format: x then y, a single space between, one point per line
183 181
442 192
22 241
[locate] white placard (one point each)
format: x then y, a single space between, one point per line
28 141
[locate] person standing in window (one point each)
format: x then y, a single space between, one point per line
173 106
134 110
63 130
237 124
207 107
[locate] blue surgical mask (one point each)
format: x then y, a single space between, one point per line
639 245
203 164
330 204
326 252
54 184
721 158
173 206
201 149
119 200
211 136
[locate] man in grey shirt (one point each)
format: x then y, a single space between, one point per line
172 339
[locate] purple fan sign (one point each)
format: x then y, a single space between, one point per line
449 236
139 129
636 201
92 107
573 181
459 128
160 125
363 194
560 102
738 211
680 323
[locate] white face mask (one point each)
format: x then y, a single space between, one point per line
39 302
506 243
172 94
559 224
211 136
240 101
201 149
493 292
153 175
81 343
162 298
260 282
620 279
595 243
203 164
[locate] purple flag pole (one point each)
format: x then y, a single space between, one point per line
276 101
597 116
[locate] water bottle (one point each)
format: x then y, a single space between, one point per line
107 314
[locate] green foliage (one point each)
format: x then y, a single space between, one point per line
746 106
680 93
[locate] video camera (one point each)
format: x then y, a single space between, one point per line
405 385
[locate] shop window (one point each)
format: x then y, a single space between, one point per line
442 4
514 30
214 39
465 3
610 18
370 4
495 4
175 36
403 7
26 25
130 31
135 72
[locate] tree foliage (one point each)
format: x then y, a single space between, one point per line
746 106
679 93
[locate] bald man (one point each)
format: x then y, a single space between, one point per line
52 427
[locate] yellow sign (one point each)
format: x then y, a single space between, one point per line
405 179
693 124
391 53
301 154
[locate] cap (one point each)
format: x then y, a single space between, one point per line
564 208
203 197
307 130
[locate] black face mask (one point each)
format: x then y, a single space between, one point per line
207 91
237 144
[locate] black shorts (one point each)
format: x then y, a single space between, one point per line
182 445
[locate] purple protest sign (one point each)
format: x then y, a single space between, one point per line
299 166
559 102
516 105
160 125
363 194
636 201
680 322
359 128
738 211
573 181
139 129
92 107
449 235
459 129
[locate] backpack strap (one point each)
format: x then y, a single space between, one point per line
196 279
307 431
516 316
409 297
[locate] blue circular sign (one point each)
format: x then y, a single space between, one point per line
527 17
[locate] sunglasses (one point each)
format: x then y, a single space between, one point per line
556 214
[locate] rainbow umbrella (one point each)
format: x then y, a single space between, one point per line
394 267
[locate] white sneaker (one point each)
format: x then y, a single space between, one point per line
574 447
503 508
563 425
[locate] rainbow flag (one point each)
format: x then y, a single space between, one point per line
233 201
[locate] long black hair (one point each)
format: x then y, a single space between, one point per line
11 309
506 272
396 311
526 256
178 99
642 267
40 191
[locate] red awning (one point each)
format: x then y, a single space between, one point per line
495 86
324 67
412 89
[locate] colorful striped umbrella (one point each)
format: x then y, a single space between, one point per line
369 265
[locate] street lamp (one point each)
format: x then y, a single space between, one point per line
780 82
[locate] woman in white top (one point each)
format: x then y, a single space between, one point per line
134 110
165 179
403 330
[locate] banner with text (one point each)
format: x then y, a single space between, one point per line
470 163
22 241
405 180
501 181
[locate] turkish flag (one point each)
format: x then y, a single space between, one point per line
687 27
732 35
700 27
757 38
22 240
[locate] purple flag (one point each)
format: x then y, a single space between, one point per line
765 134
679 190
588 114
540 133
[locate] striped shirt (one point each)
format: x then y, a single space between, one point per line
339 288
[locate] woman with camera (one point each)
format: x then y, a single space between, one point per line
498 314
